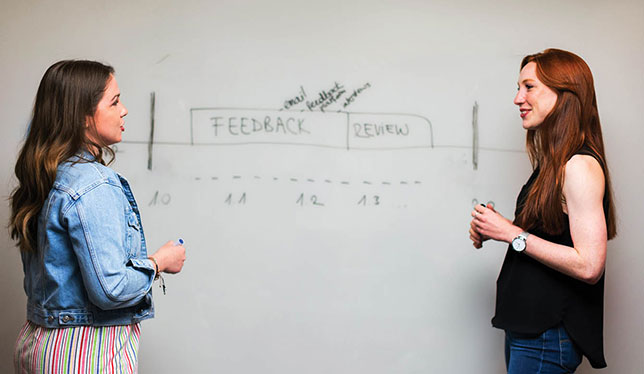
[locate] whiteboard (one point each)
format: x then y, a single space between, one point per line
320 160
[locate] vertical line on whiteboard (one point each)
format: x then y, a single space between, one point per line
151 140
431 134
192 139
475 136
348 126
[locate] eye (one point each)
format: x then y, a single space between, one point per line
115 102
529 86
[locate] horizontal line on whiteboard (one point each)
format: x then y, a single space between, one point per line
232 144
280 143
481 148
310 180
326 146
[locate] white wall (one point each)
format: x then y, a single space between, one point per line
281 285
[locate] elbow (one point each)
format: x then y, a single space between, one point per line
115 296
111 302
590 268
592 276
103 301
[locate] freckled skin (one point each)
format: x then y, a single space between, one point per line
535 99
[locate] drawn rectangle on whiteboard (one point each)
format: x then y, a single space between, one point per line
388 131
257 126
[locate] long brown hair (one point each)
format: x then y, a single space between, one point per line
65 104
572 124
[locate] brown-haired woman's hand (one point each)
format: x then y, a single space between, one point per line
170 257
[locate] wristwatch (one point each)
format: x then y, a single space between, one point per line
519 243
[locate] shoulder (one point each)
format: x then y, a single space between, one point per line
583 166
584 176
77 178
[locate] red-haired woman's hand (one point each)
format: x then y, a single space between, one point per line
487 223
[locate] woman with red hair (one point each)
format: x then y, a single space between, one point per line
550 292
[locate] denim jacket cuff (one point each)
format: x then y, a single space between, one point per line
140 263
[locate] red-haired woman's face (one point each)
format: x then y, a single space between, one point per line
535 99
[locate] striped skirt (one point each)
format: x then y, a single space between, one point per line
80 349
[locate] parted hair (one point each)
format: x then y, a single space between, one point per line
572 124
63 111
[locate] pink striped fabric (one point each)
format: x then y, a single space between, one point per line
81 349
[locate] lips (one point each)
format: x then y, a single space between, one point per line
524 112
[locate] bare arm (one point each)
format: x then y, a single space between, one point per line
584 191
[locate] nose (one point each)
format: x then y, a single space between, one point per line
123 111
519 98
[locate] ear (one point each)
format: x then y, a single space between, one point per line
89 122
90 129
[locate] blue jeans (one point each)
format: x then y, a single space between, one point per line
549 353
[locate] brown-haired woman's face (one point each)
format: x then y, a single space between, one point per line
535 99
108 118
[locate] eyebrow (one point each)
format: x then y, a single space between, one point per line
526 80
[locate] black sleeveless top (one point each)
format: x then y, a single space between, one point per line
531 297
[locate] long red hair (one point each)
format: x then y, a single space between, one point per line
572 124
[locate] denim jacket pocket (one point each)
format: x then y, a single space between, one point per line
133 235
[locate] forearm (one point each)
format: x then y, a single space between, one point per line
584 261
125 289
575 263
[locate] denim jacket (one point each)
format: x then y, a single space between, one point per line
90 266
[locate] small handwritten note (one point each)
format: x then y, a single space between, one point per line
335 97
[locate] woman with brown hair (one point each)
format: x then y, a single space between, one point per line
550 292
88 276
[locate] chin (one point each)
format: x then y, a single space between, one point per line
530 126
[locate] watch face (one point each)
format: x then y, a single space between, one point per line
518 244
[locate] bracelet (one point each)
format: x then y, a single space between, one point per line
158 275
156 265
